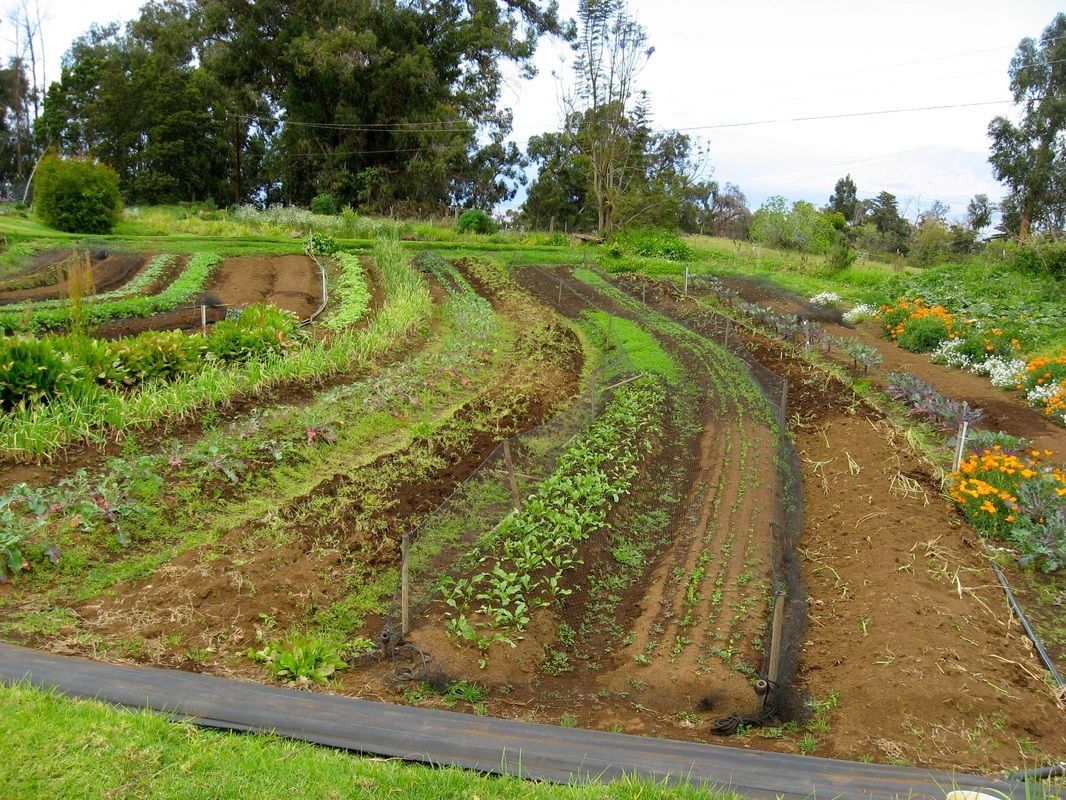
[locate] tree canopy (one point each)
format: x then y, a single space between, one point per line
1030 157
377 102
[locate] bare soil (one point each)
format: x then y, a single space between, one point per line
109 273
289 282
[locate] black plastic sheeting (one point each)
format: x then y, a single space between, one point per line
485 744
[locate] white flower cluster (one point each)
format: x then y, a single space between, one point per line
860 313
1039 395
825 299
1003 372
947 352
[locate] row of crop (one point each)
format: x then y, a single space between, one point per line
704 591
183 289
41 370
352 291
43 429
992 348
36 523
1016 495
156 268
527 555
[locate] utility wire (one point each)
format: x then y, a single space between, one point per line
841 116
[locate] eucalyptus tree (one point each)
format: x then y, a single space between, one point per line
1030 156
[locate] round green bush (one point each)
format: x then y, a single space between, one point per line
923 335
324 204
77 195
477 221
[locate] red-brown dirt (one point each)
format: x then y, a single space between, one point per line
289 282
108 274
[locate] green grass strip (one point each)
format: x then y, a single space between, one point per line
644 351
184 288
353 292
44 429
61 749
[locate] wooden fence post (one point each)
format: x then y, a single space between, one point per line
405 584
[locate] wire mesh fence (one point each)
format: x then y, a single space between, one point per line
444 544
442 547
783 646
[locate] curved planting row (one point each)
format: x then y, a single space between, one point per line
354 295
528 553
156 268
39 430
42 370
100 309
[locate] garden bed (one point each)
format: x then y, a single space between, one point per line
269 522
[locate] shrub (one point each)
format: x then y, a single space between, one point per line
840 255
77 196
1043 258
158 354
324 204
31 370
477 221
260 330
320 244
923 335
654 243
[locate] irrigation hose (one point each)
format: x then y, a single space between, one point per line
1040 773
1028 628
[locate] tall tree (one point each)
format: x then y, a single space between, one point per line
561 194
1030 157
979 212
611 49
845 198
892 230
15 141
383 100
379 102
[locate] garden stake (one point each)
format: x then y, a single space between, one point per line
511 482
686 281
560 291
773 661
405 584
961 444
203 318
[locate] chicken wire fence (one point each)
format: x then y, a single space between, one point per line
443 545
783 647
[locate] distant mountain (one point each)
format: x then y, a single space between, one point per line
917 177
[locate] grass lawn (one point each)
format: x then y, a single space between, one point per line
63 749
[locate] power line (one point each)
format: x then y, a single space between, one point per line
459 126
840 116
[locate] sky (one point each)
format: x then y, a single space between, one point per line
720 63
